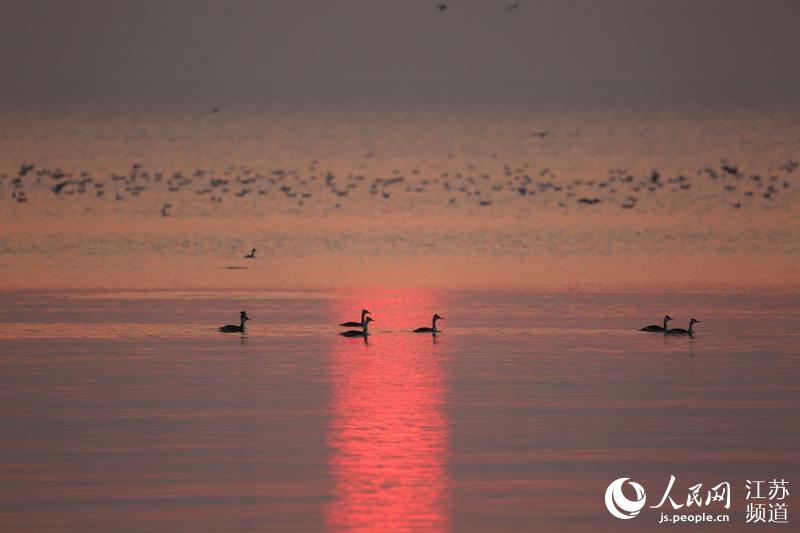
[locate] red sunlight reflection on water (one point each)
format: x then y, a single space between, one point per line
389 432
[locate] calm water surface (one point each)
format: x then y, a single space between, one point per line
126 411
121 252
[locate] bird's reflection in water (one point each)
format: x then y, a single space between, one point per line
389 433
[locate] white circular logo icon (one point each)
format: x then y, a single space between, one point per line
619 505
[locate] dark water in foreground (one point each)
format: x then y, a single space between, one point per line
126 411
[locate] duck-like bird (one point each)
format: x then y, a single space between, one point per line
680 331
363 332
251 255
655 328
431 329
364 314
233 328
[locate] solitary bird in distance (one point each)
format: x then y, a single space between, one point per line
233 328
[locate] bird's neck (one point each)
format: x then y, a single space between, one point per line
241 322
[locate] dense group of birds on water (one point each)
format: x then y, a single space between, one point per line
366 319
296 189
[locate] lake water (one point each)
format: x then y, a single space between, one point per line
460 193
128 411
545 234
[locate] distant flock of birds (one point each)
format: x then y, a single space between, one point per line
296 188
366 319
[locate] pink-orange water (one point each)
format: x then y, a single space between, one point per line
128 411
122 408
411 193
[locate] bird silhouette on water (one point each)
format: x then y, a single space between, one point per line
233 328
680 331
363 332
360 324
655 328
433 329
